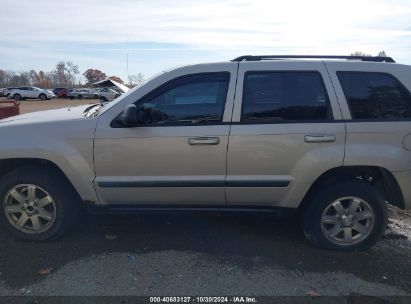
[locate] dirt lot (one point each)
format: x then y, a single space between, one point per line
33 105
216 255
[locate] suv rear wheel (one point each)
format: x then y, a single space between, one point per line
37 204
17 97
351 215
43 96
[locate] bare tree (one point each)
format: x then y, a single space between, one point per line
72 71
9 78
358 53
3 81
65 73
135 79
24 78
382 54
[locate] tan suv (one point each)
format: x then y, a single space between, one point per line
325 136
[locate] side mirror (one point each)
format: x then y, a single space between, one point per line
130 116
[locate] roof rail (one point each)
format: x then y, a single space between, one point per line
275 57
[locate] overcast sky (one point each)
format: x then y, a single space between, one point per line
159 34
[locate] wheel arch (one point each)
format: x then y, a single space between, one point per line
380 177
10 164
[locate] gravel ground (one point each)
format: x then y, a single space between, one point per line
168 254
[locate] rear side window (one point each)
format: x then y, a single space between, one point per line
270 97
375 96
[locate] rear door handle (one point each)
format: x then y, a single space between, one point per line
203 141
319 138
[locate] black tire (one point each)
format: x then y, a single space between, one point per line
80 97
313 212
17 97
43 97
49 179
103 99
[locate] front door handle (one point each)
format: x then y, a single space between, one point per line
203 141
319 138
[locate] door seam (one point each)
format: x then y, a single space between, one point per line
229 133
339 107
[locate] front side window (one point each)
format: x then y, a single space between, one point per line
375 96
193 99
270 97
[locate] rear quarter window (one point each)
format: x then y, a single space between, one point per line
375 96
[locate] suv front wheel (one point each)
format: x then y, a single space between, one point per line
37 203
350 215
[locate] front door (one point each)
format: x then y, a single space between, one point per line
177 155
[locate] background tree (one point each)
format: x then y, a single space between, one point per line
45 80
65 73
136 79
359 53
3 82
93 75
34 78
382 54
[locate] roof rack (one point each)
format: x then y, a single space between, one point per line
275 57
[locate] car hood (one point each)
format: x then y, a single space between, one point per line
47 116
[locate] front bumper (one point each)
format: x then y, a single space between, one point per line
404 181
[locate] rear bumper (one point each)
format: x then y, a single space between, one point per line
404 181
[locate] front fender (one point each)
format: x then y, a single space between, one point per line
67 144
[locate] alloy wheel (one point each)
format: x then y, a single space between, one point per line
29 208
347 221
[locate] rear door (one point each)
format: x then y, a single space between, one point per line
287 130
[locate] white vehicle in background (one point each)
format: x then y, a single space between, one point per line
20 93
107 94
83 93
6 92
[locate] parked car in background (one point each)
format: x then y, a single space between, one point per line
83 93
2 92
20 93
108 94
7 91
60 92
